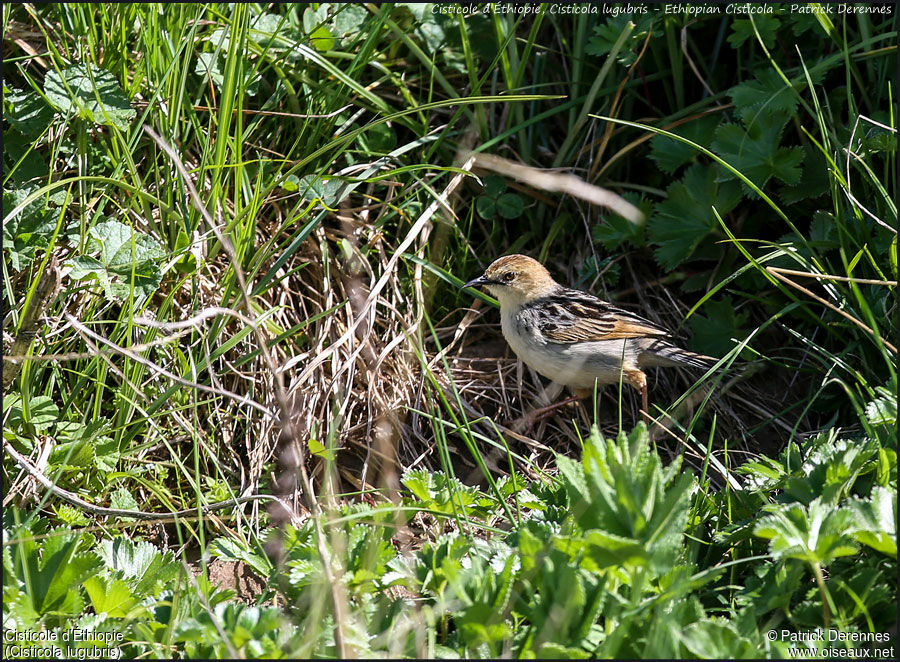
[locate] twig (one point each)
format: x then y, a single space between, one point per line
843 279
81 328
77 501
559 183
285 422
780 276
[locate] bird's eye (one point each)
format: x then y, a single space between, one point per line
509 277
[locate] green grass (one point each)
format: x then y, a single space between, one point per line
236 346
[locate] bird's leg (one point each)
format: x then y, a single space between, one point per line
638 381
528 420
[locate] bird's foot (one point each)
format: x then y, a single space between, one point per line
528 421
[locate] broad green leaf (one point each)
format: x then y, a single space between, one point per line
90 93
60 571
29 230
26 111
882 410
613 230
349 18
766 93
669 154
510 205
494 186
122 499
73 454
816 535
755 151
486 206
148 570
685 217
114 598
122 252
209 66
719 329
318 449
711 639
875 520
329 191
743 29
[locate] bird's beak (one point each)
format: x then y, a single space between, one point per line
478 282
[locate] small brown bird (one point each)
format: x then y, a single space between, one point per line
573 337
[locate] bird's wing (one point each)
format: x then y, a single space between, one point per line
573 316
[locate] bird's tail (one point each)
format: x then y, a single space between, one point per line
666 355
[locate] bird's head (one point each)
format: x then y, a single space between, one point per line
515 280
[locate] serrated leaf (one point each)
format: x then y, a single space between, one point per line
685 217
70 516
227 548
709 639
123 253
743 29
43 412
607 34
816 535
882 410
61 570
90 93
74 454
29 230
121 499
26 111
148 570
613 230
814 181
755 152
349 18
875 520
329 191
766 93
719 328
670 154
114 598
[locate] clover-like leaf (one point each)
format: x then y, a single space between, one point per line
486 206
90 93
510 205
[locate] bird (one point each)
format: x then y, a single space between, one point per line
573 337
